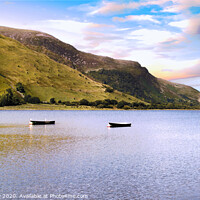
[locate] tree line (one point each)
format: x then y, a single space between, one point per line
12 98
112 104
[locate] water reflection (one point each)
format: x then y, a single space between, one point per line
153 159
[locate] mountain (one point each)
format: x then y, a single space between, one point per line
126 76
44 78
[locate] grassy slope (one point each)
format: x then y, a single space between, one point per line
46 78
177 90
141 83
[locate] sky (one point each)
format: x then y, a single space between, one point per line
162 35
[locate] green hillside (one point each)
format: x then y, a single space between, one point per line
125 76
45 78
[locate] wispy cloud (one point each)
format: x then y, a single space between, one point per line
112 7
180 24
136 18
189 26
151 37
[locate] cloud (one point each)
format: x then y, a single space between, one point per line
181 5
171 9
193 71
122 29
113 7
194 25
173 6
172 43
180 24
67 25
172 69
167 70
189 26
184 4
110 7
136 18
151 37
93 25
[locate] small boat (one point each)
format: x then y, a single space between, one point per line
120 124
34 122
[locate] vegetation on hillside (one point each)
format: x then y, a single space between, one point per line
145 87
35 76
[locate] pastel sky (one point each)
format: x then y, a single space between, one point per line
162 35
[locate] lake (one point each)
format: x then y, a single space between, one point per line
157 158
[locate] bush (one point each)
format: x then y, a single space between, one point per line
74 103
126 107
52 101
67 103
98 102
84 102
92 104
109 89
113 102
27 98
121 104
34 100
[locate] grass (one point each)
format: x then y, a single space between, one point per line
45 78
4 85
49 107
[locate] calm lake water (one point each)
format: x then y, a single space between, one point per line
157 158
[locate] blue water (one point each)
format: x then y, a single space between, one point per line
157 158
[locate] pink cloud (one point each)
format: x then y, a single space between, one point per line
194 25
178 5
136 18
93 25
192 71
109 7
189 26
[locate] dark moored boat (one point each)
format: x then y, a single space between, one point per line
123 124
34 122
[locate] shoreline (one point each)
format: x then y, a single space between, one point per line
51 107
64 107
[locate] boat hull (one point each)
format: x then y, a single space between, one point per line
110 124
41 122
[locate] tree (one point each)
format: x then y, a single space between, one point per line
109 89
121 104
52 101
9 99
113 102
98 102
27 98
84 102
34 100
20 87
